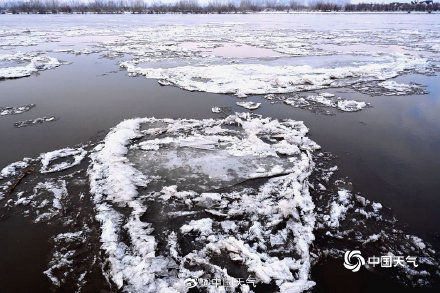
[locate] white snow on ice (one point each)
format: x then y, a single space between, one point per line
114 182
34 64
77 155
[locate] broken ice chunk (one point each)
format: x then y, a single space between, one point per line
36 64
204 226
215 109
35 121
351 105
74 155
15 110
249 105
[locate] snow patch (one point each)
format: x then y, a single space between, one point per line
249 105
15 110
76 156
36 64
35 121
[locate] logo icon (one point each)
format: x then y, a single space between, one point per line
356 257
190 283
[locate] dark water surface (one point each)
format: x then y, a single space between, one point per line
390 152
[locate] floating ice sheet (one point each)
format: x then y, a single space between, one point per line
249 105
266 214
321 100
15 110
394 88
267 142
35 121
262 59
47 159
248 79
34 64
266 204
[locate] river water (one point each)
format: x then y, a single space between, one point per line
108 71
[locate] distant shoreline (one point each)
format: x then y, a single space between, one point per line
229 13
193 7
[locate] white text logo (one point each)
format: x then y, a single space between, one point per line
353 260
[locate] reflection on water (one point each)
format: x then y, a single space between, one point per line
231 50
389 151
243 51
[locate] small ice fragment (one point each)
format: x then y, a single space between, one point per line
418 242
204 226
249 105
77 155
15 110
12 168
164 82
398 88
216 110
327 95
351 105
31 122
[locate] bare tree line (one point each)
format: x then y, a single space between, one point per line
192 6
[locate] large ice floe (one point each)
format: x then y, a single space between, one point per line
262 59
160 201
254 79
185 164
27 64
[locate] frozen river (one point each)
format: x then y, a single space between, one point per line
271 144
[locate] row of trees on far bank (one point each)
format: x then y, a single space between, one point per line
192 6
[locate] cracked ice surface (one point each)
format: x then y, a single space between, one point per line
161 200
282 199
33 64
322 100
262 59
31 122
253 79
166 199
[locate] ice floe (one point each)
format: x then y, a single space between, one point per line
394 88
197 57
203 226
35 121
338 208
15 110
248 79
321 101
35 63
46 199
13 168
112 190
162 200
47 159
249 105
216 109
346 221
351 106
